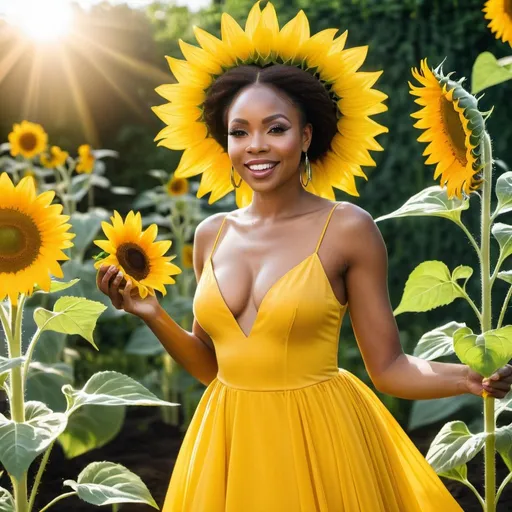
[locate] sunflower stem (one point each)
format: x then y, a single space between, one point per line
486 324
39 475
17 398
470 238
504 307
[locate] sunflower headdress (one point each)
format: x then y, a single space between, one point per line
262 43
454 129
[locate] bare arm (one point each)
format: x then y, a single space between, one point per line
391 370
192 350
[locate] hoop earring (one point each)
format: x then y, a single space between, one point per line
232 178
307 165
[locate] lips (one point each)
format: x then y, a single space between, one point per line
261 168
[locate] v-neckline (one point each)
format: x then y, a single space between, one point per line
269 291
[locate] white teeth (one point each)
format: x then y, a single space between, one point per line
260 167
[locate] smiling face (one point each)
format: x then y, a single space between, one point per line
266 137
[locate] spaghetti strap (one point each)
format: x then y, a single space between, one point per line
325 227
217 237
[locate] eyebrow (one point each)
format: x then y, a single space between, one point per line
265 121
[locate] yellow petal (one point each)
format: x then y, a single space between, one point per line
188 74
197 158
235 38
182 94
200 58
182 135
253 20
215 47
292 36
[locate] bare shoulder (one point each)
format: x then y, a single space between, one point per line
204 236
355 231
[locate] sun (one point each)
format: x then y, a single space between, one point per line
41 21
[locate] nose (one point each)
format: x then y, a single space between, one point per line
257 144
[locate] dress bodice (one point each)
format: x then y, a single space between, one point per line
293 342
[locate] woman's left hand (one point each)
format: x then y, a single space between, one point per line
497 385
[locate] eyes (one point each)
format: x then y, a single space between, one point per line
276 130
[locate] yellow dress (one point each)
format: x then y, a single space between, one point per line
282 428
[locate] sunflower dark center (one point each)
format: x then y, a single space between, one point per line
455 131
507 7
133 259
177 186
28 141
20 240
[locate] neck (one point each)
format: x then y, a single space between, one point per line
281 202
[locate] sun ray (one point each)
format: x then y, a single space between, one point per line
10 59
30 102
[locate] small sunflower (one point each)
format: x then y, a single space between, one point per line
136 253
454 129
187 256
263 43
55 158
27 139
86 160
177 186
500 14
33 234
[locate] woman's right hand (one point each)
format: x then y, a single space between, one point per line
109 280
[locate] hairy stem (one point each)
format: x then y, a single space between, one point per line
506 480
476 493
39 475
470 238
486 324
57 499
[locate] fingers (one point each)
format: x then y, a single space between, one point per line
104 276
109 284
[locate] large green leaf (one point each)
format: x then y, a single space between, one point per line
430 285
486 352
6 501
144 343
433 201
92 426
71 315
453 446
426 412
506 276
503 233
504 444
488 71
504 193
50 347
45 381
111 388
86 226
23 442
105 483
459 473
57 286
438 342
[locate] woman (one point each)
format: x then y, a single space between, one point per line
280 426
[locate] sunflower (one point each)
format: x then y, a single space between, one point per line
500 14
454 129
177 186
263 43
27 139
187 256
33 234
86 160
55 158
136 253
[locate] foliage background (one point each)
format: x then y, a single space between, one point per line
117 105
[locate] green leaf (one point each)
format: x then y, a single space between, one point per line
92 426
486 352
86 226
487 72
6 501
7 364
506 276
71 315
433 201
430 285
504 193
426 412
23 442
504 444
49 348
459 473
438 342
453 446
144 343
45 381
57 286
503 233
111 388
105 483
503 404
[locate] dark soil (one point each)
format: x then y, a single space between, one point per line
148 447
